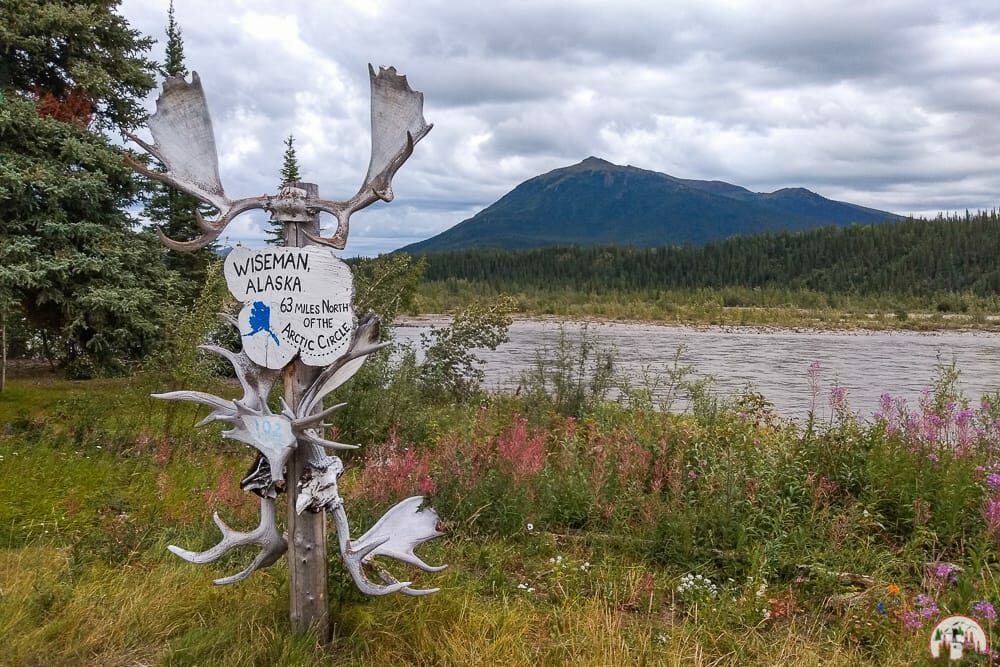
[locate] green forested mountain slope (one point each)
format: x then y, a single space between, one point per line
907 257
599 203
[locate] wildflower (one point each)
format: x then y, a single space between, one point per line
699 586
912 620
692 475
984 610
926 606
530 527
880 608
944 573
991 513
426 485
993 482
838 401
893 589
523 452
585 567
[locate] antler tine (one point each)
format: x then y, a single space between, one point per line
365 342
255 380
311 437
220 404
272 544
375 189
313 420
212 229
221 203
415 592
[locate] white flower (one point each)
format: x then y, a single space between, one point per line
530 527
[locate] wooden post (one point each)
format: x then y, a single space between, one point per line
309 603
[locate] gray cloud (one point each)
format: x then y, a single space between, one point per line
891 104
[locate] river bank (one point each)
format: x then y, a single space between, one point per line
794 368
772 307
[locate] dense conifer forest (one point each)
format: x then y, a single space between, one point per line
911 257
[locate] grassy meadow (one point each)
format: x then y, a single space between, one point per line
579 531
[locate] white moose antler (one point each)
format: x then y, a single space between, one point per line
397 125
272 544
184 143
400 530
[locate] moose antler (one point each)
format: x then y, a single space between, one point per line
184 143
397 125
272 544
400 530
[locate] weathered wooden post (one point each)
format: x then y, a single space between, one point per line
308 601
298 324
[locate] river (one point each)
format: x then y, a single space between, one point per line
775 362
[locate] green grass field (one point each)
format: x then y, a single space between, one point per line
615 535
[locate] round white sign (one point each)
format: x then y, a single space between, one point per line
296 301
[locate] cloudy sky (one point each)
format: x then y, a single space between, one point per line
889 104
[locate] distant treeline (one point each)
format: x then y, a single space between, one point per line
916 256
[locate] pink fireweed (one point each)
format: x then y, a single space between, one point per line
991 514
393 471
838 402
814 385
633 463
524 453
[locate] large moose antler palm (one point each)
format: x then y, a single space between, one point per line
184 144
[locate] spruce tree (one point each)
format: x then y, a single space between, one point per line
92 288
174 65
172 210
289 174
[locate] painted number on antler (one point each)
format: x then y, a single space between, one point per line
270 430
296 301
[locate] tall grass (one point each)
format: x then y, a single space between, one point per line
579 530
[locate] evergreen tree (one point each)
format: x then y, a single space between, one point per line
172 210
289 174
174 66
92 288
290 163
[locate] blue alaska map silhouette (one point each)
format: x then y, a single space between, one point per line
260 321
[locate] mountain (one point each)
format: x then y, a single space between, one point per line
599 203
